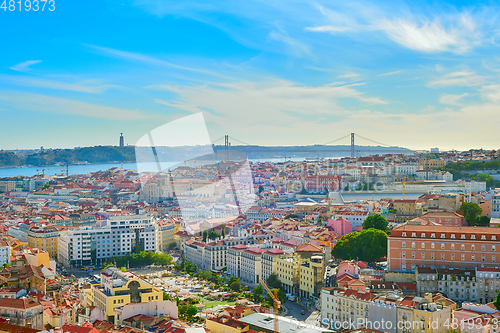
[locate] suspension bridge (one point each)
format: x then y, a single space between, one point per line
323 149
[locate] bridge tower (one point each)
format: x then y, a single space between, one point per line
352 146
226 145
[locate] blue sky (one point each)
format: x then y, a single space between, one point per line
414 74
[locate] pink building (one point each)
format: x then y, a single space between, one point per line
445 218
340 226
473 318
348 267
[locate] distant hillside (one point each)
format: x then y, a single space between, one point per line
98 154
10 159
107 154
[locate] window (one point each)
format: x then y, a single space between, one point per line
452 236
483 258
442 246
422 255
483 248
442 256
423 245
493 237
403 254
453 256
432 245
492 258
463 247
432 255
413 244
473 247
463 257
403 244
472 257
493 248
453 246
483 237
443 236
413 255
404 234
423 234
462 236
433 235
413 234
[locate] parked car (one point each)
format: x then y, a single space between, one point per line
303 312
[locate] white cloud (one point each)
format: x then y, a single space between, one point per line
296 47
328 28
348 76
460 78
455 32
491 93
432 36
391 73
148 60
451 99
85 86
25 66
257 104
49 104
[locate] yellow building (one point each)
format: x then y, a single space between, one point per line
37 257
431 162
288 272
311 276
119 288
433 315
226 324
44 238
301 273
166 233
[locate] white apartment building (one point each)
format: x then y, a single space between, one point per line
215 255
495 206
118 236
251 265
5 251
194 253
269 262
355 217
343 305
408 169
234 259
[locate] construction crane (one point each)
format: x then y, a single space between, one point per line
276 305
404 187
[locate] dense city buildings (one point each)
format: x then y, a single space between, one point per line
282 226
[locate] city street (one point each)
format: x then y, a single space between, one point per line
294 312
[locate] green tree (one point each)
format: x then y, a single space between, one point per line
166 297
367 245
205 236
191 310
372 244
207 275
235 286
483 221
490 181
273 281
471 212
232 279
496 303
376 221
223 230
257 292
213 235
281 296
